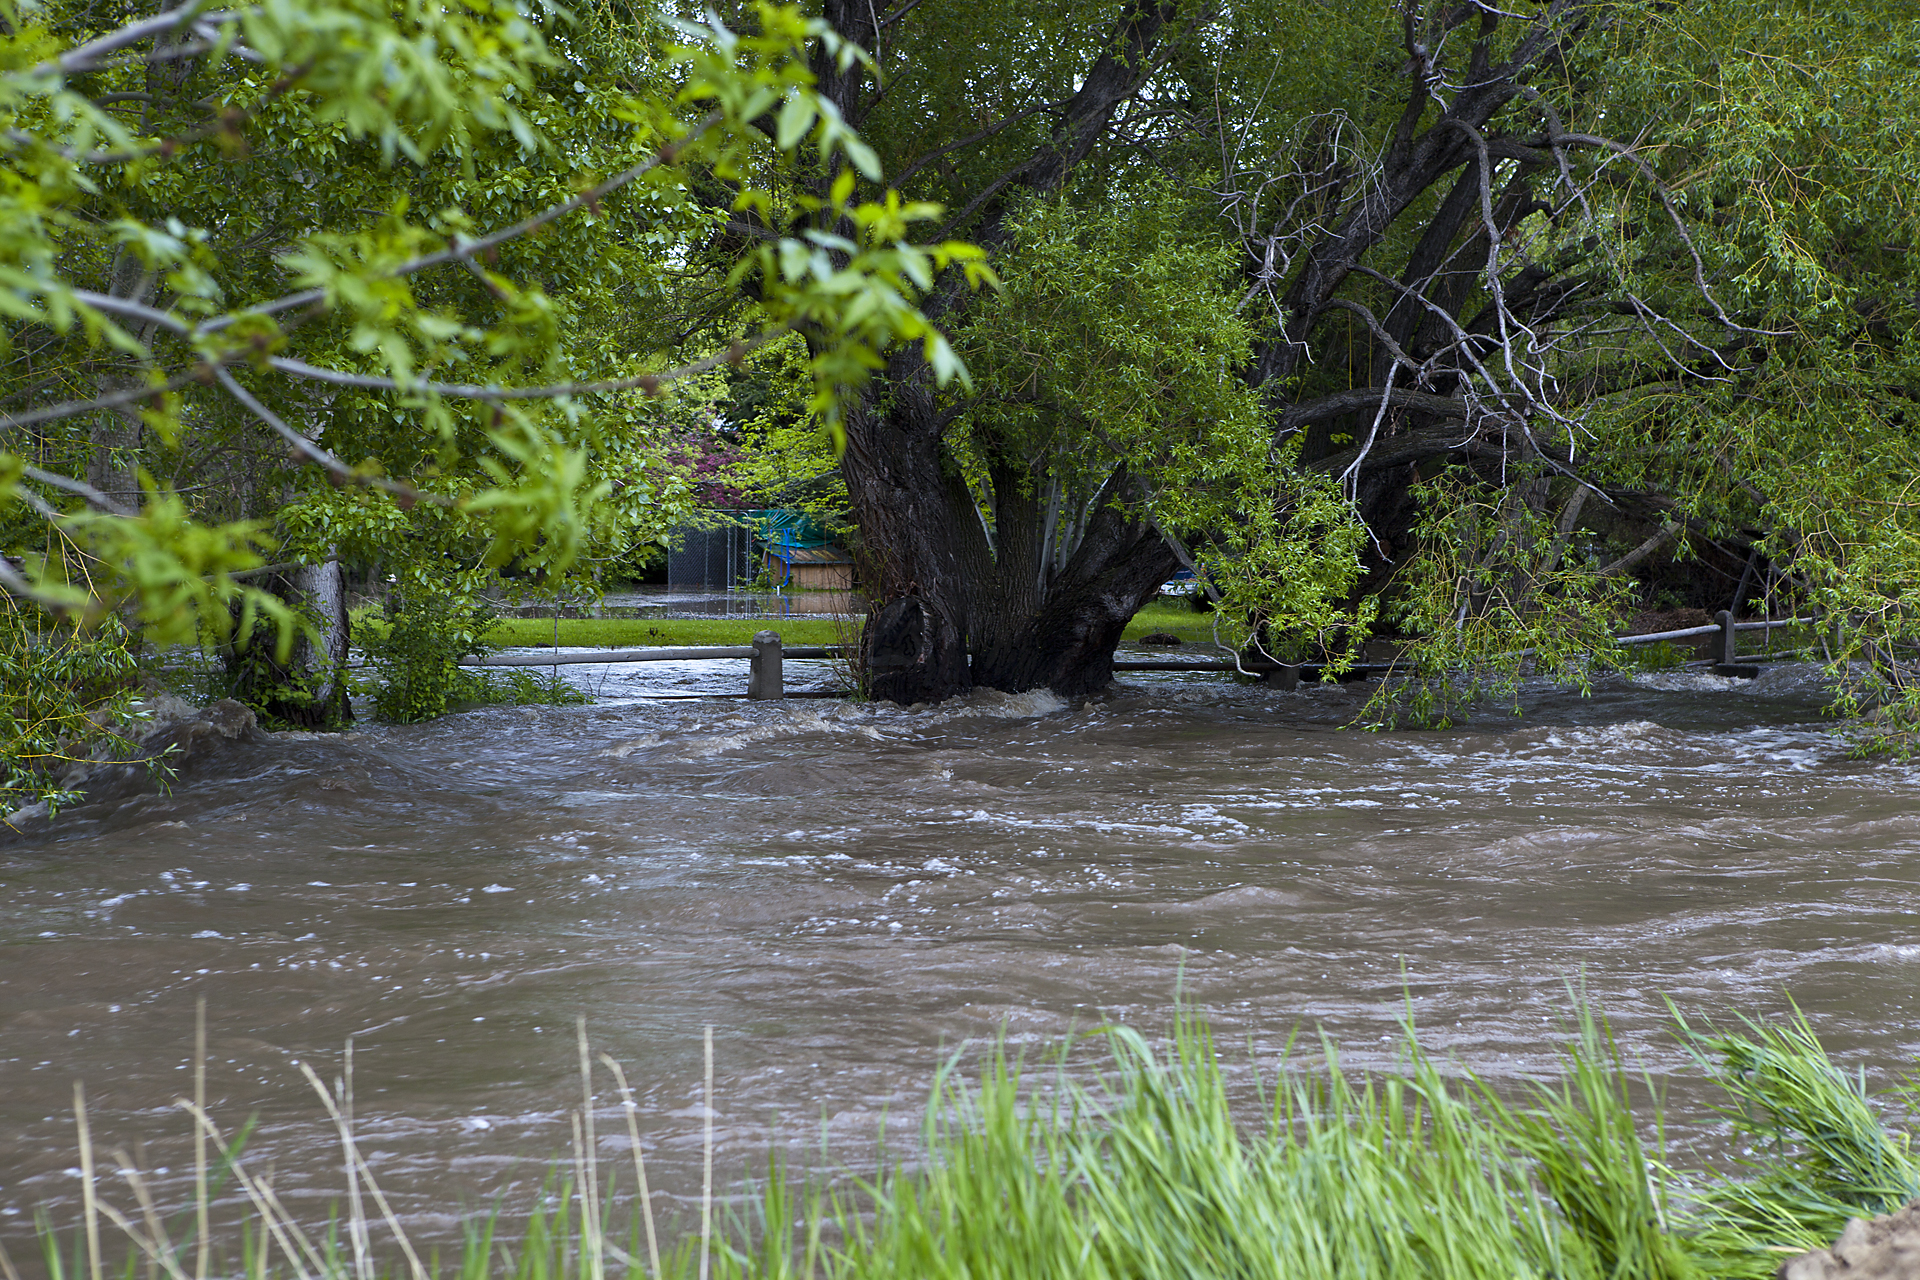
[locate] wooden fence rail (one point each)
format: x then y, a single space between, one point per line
766 678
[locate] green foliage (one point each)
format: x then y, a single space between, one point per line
521 687
176 572
414 645
1286 568
414 655
787 457
1116 341
156 246
1819 1152
1113 323
1583 1142
1496 593
63 692
1430 1172
1781 135
405 286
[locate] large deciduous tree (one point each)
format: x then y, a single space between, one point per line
1003 565
972 579
1502 283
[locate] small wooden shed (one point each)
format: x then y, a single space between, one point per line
826 568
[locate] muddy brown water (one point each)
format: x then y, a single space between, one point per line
848 893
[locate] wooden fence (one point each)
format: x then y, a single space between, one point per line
766 678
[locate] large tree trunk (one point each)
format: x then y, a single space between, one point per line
947 589
958 606
309 689
1056 627
919 555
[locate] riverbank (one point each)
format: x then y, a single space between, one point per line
1130 1161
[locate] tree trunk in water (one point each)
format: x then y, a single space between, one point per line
1056 628
903 489
309 689
941 582
956 606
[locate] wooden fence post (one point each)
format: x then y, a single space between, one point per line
765 679
1729 639
1284 676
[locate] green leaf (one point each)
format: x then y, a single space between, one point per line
796 117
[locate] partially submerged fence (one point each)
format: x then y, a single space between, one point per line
766 678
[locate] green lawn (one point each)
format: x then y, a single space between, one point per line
643 633
1175 618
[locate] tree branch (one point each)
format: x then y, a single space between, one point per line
338 469
647 382
91 56
1661 538
1341 402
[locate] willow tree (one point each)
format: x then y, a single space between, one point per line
985 118
1785 141
1315 149
1504 284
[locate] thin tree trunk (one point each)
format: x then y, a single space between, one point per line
115 435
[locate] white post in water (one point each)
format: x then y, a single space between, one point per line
765 679
1729 640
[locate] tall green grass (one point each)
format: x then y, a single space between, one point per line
1139 1167
1813 1145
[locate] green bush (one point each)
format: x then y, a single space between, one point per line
62 692
413 651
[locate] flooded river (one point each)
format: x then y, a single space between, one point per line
849 892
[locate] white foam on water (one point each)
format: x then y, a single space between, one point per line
1686 681
993 704
621 750
1206 813
1628 734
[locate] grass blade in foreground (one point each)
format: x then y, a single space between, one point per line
1144 1171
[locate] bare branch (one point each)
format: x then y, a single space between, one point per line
92 56
54 480
900 179
1563 530
1373 326
73 408
1631 156
1332 406
133 311
1661 538
647 382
